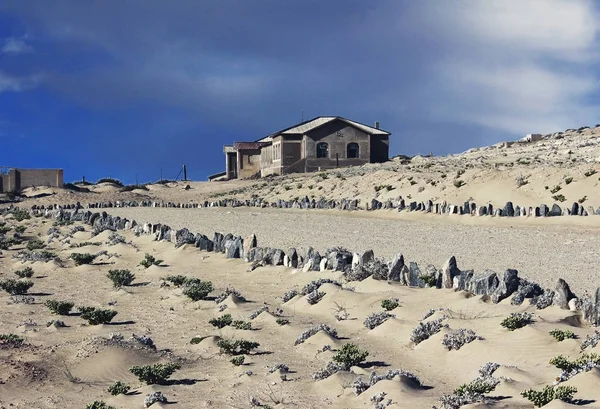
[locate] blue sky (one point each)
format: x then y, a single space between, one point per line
119 88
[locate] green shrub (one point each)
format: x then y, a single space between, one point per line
149 260
59 307
282 321
118 388
98 404
236 347
459 183
3 228
21 215
390 304
590 173
476 387
222 321
96 316
83 258
26 272
548 394
350 355
120 278
177 280
517 320
110 180
35 245
559 198
561 335
430 280
156 374
11 339
238 360
563 363
196 289
20 229
197 340
555 189
16 287
240 324
568 180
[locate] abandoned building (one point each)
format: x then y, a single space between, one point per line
325 142
14 180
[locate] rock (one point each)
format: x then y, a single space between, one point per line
574 304
590 307
575 209
508 211
249 242
308 266
449 271
526 289
218 242
555 210
293 258
234 248
544 300
367 256
562 294
323 264
414 276
461 281
184 236
482 283
507 286
482 211
204 243
396 268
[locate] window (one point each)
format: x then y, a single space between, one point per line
249 159
353 151
322 150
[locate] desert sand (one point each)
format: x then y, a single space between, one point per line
71 366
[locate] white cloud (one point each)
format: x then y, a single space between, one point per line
10 83
16 46
517 66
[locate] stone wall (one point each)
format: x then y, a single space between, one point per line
494 286
19 179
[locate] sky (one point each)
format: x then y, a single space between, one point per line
127 88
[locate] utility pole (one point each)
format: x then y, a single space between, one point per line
184 173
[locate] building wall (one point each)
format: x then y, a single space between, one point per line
19 179
380 148
337 135
270 161
248 163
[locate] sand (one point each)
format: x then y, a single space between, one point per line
72 366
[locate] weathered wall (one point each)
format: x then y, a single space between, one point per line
337 135
19 179
248 163
380 148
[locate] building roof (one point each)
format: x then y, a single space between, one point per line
319 121
248 145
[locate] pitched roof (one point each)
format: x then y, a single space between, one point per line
248 145
314 123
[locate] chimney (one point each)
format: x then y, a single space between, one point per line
376 124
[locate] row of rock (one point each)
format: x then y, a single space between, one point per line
356 266
400 204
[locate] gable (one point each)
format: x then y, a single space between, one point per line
337 130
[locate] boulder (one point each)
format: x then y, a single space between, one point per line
234 248
248 243
562 294
508 210
461 281
414 276
449 271
482 283
293 258
507 286
184 236
395 269
590 307
204 243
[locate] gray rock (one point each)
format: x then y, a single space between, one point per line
590 307
249 242
234 248
562 294
184 236
449 271
204 243
414 276
482 283
509 210
396 268
575 209
461 281
544 300
293 257
507 286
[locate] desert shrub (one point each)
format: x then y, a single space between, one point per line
20 215
591 340
555 189
243 325
476 387
350 355
390 304
429 280
568 180
289 295
226 293
59 307
256 313
236 347
238 360
118 388
548 394
110 180
3 228
314 297
197 340
154 397
561 335
377 318
85 244
457 338
35 245
11 340
149 260
517 320
581 362
156 374
559 198
120 278
424 330
82 258
196 289
16 287
129 188
222 321
330 369
459 183
590 173
20 229
7 242
26 272
282 321
177 280
98 404
96 316
313 330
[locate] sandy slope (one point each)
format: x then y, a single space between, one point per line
207 378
